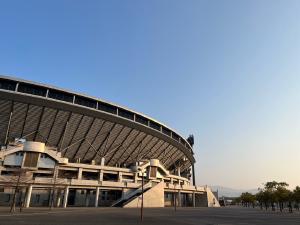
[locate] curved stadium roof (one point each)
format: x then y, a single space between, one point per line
85 127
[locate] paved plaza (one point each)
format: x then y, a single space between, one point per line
154 216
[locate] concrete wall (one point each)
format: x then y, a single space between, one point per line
154 197
212 201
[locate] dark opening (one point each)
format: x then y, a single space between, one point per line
126 114
90 175
166 131
154 125
107 107
32 89
85 102
7 85
141 119
110 177
60 95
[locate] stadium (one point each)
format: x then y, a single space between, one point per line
64 149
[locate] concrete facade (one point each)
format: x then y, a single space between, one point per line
77 184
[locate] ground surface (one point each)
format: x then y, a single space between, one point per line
162 216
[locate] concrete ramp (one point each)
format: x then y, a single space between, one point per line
212 201
153 197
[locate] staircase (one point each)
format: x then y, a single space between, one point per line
131 195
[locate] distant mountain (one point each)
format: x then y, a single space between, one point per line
231 192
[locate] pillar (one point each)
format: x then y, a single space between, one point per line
58 198
102 161
79 176
97 196
194 199
193 174
66 194
179 198
101 175
120 177
135 177
28 196
178 171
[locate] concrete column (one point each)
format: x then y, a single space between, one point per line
87 198
28 196
102 161
101 175
66 194
120 177
171 180
58 198
97 196
194 199
135 177
79 175
179 198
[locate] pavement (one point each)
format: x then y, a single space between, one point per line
152 216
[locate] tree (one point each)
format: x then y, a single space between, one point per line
247 199
296 197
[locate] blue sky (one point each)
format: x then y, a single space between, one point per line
226 71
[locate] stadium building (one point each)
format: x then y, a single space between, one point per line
63 149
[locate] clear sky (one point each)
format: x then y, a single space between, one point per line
226 71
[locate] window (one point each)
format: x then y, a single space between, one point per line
141 119
126 114
7 85
166 131
154 125
60 95
32 89
107 107
85 102
175 136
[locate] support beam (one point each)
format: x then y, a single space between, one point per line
74 134
106 149
63 133
104 140
7 130
51 127
28 196
23 127
133 139
94 139
66 195
39 123
85 135
153 146
123 141
135 148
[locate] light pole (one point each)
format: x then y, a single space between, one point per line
137 170
142 203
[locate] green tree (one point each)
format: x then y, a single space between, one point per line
296 197
247 199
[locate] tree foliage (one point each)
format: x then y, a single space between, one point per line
274 195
